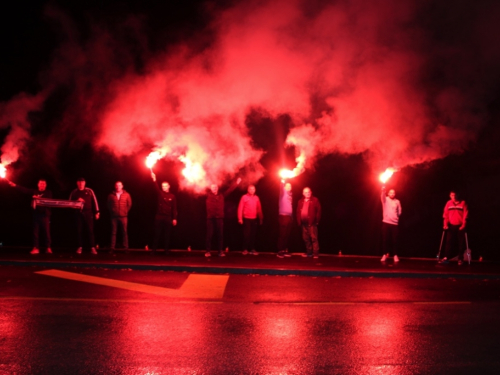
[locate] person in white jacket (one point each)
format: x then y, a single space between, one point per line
391 208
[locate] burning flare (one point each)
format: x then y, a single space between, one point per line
152 158
3 171
193 172
287 173
384 177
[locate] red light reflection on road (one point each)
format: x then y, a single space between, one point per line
379 343
163 333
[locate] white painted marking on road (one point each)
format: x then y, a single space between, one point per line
195 286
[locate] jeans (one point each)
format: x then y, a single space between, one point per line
455 238
85 221
285 228
217 225
41 223
115 222
162 223
310 237
390 238
250 233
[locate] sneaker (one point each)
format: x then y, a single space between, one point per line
253 252
49 250
222 254
79 250
396 259
459 262
281 254
384 258
316 256
93 251
305 255
287 254
207 254
34 251
244 252
443 261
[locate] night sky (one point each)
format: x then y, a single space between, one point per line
90 89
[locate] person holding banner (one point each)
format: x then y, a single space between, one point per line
85 216
41 215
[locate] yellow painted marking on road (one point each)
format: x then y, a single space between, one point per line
196 286
58 299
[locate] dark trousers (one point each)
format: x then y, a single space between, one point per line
215 225
85 222
390 238
285 228
455 239
163 224
116 222
250 227
310 237
41 223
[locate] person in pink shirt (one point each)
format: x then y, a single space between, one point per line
455 219
250 216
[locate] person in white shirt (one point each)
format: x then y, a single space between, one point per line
391 208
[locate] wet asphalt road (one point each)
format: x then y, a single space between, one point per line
258 325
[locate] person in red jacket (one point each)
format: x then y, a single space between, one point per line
119 204
308 216
250 215
455 219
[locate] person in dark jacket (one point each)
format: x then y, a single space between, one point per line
166 215
41 215
215 216
119 204
308 216
85 217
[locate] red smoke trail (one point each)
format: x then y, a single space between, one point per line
14 116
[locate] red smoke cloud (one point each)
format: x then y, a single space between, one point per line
355 77
15 116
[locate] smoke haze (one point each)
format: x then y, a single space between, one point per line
402 83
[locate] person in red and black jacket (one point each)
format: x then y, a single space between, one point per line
166 214
454 221
85 217
308 217
41 215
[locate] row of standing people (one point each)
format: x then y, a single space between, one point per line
307 215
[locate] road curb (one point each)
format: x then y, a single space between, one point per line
251 271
